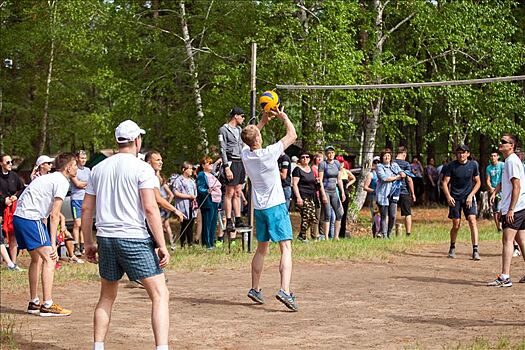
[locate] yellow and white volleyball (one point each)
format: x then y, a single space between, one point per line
269 100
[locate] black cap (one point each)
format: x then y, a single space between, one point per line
236 111
462 148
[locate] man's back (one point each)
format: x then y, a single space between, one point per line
116 183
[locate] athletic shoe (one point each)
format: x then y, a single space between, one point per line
229 227
256 296
522 280
54 311
33 308
500 282
516 253
219 244
452 253
288 300
475 256
75 260
241 224
16 268
78 253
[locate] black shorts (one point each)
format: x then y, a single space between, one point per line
405 203
455 212
239 175
519 221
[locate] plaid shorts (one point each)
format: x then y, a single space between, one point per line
135 257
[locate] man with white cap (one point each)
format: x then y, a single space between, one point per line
121 190
43 166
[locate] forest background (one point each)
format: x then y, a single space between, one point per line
71 70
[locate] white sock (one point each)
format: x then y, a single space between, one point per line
99 345
48 303
161 347
36 301
11 265
504 277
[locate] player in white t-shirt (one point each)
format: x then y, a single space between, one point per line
42 199
512 207
271 214
120 189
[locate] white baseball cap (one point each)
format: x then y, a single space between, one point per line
127 131
44 159
377 158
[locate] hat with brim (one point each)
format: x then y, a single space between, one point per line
236 111
462 148
128 131
44 159
329 148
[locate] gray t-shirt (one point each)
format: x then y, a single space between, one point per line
78 194
330 172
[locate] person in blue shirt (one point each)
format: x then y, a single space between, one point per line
463 176
494 171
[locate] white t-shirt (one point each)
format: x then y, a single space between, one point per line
82 175
37 200
116 182
261 167
513 168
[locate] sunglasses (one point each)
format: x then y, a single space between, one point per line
9 162
49 163
305 157
505 142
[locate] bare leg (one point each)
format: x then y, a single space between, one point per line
48 270
326 230
5 255
102 317
70 248
236 202
13 247
337 228
473 229
456 224
228 197
408 223
496 220
285 265
258 263
520 239
508 248
35 268
76 230
160 314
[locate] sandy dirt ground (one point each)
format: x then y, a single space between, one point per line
418 299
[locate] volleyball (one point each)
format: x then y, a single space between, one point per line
269 100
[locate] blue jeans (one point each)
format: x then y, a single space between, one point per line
209 224
287 196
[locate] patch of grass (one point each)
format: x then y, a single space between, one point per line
8 328
502 343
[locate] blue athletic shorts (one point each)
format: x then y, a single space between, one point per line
455 212
273 224
135 257
76 208
30 234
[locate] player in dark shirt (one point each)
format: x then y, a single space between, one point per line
463 176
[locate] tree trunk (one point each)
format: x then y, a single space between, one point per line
483 159
45 119
194 79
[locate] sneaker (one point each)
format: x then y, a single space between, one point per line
256 296
241 224
475 256
452 253
16 268
287 300
54 311
219 244
516 253
229 227
522 280
33 308
78 253
500 282
75 260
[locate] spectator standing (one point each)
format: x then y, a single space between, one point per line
319 230
43 198
285 171
512 208
494 171
43 166
330 181
271 216
407 196
11 186
348 180
186 200
441 198
417 170
231 147
370 186
304 186
78 191
463 176
209 196
121 190
387 194
431 177
295 162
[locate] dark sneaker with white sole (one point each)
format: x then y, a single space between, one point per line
475 256
500 282
33 308
287 299
452 253
522 280
256 296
